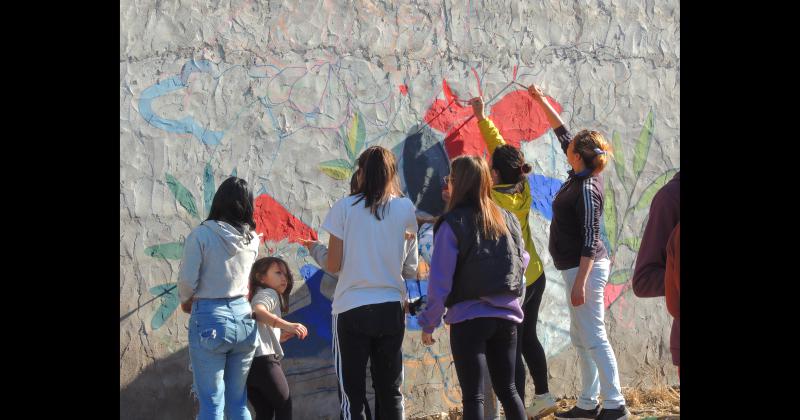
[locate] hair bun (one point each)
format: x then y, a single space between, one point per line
526 168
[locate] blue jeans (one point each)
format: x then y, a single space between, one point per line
599 374
222 341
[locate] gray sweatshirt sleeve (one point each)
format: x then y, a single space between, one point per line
189 272
319 253
412 259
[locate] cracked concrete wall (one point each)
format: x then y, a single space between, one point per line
285 95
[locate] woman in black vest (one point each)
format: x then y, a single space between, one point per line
477 272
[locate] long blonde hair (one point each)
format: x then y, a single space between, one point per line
472 185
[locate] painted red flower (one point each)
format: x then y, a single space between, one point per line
516 115
276 223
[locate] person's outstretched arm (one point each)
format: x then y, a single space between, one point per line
490 134
264 305
552 116
563 135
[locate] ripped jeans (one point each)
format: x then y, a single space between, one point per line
222 341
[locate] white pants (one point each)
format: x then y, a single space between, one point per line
588 333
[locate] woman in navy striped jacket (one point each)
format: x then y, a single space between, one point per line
581 257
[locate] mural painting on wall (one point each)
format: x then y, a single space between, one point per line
447 130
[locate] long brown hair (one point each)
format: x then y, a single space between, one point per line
594 150
378 179
260 268
471 184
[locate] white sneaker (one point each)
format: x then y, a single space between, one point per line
541 406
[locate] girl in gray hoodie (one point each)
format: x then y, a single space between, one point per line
213 287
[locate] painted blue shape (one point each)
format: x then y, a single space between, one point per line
316 317
186 125
543 189
201 66
425 163
411 286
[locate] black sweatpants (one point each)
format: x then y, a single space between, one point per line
267 389
528 345
478 344
371 333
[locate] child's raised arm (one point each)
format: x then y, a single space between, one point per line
318 251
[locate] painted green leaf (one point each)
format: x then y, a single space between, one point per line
337 169
619 159
632 243
643 145
170 251
169 302
233 173
620 276
355 138
610 214
184 197
652 189
208 188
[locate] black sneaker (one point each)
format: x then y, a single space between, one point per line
619 413
579 413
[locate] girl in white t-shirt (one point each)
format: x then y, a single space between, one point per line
367 249
271 283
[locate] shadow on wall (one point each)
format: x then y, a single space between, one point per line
161 391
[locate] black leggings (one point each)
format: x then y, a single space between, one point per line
478 344
371 333
267 389
528 345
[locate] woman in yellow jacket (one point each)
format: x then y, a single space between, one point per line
512 192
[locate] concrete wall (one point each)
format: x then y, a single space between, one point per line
286 94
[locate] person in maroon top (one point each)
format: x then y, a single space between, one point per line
672 291
581 257
651 261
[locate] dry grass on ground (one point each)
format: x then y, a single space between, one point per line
661 402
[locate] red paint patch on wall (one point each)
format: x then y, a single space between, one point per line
612 292
519 118
403 90
516 115
276 223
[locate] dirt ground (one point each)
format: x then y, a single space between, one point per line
659 403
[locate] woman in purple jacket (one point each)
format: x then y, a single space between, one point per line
477 272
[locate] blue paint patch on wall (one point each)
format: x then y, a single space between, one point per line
316 317
425 163
186 125
543 189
